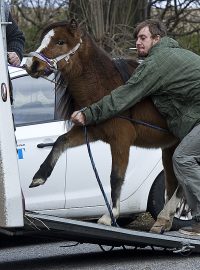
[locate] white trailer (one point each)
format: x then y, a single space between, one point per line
16 221
11 209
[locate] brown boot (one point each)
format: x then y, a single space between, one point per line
194 229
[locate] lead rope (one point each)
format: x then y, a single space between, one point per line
139 122
114 223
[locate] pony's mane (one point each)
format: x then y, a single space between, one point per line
64 101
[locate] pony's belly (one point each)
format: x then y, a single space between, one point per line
148 138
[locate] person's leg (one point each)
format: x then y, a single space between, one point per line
186 163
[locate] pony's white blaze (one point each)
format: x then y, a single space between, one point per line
45 42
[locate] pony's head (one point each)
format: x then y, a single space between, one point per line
60 43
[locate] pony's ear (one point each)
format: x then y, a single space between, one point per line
73 25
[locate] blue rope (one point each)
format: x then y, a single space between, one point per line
114 223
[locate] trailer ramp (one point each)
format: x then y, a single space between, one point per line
87 232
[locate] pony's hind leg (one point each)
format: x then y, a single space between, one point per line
171 182
119 166
173 194
165 217
70 139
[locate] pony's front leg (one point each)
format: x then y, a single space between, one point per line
119 166
74 137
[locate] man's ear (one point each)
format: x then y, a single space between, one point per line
156 39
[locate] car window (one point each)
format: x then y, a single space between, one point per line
34 100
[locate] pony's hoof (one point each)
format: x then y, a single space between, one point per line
161 226
157 229
37 182
105 220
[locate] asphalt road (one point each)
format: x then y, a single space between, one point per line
31 254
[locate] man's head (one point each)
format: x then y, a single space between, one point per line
147 34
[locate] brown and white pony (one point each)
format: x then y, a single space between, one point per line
90 74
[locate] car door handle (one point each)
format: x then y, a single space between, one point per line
42 145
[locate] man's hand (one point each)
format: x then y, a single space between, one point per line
78 118
13 59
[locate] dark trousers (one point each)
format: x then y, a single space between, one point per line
186 162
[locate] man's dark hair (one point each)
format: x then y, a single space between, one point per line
156 28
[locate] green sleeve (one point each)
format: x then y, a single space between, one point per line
144 82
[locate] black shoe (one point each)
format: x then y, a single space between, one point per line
194 229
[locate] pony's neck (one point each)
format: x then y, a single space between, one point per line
93 76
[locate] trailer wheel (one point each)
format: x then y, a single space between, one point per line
156 202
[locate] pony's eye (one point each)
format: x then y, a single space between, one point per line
60 42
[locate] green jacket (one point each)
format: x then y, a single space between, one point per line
171 76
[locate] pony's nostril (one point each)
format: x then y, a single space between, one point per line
35 66
24 66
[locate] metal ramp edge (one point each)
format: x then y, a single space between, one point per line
87 232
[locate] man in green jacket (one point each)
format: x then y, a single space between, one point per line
171 76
